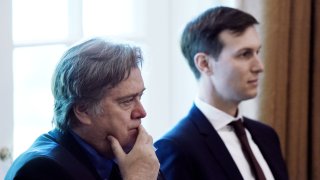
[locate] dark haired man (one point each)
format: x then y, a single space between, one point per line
222 48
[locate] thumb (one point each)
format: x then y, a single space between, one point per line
116 148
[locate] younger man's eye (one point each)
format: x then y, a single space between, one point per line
246 54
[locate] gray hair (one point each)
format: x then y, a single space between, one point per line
85 73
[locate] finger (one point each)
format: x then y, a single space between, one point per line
116 148
142 129
143 136
150 139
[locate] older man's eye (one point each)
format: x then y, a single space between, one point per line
127 101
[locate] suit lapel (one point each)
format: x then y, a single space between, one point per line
266 145
215 144
68 142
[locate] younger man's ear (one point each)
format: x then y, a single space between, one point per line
201 61
82 114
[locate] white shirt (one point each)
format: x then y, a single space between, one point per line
220 120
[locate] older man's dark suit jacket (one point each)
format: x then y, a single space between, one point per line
55 155
194 150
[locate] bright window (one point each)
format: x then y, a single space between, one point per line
33 102
108 17
42 30
39 20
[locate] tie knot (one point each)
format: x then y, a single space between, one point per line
238 127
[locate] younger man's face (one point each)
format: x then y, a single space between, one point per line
235 72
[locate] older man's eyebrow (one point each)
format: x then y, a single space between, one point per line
131 95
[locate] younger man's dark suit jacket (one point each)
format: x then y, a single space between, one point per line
194 150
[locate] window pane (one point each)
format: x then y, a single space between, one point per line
39 20
108 17
33 102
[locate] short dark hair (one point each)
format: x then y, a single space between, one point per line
202 33
85 73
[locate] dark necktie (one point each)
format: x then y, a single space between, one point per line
240 132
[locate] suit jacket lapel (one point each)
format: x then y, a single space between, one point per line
265 143
215 144
68 142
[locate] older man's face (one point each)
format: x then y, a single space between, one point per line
122 113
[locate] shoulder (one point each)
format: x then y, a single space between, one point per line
37 162
181 144
38 167
262 133
192 125
175 152
179 134
257 125
187 133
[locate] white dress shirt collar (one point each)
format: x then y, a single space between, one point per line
220 120
217 118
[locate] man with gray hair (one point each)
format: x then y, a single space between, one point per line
97 87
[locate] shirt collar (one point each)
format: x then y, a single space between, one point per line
216 117
101 164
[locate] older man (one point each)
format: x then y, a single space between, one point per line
97 87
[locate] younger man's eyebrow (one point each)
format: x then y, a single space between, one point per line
249 49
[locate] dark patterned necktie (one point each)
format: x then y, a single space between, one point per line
240 132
